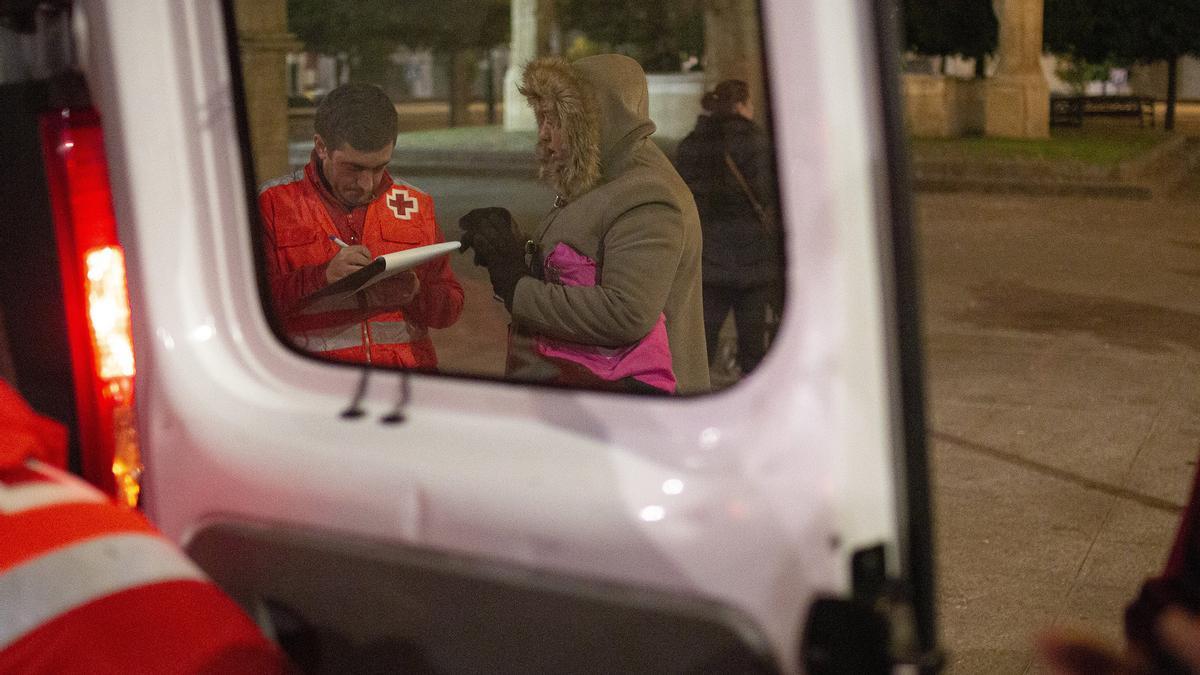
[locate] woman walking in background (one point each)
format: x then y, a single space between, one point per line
726 161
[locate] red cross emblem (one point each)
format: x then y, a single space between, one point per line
402 204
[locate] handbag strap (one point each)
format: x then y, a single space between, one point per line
741 180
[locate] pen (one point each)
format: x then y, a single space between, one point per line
337 240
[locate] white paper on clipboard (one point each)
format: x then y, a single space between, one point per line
382 267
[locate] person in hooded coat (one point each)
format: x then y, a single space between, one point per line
606 290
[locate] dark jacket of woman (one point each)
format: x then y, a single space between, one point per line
739 250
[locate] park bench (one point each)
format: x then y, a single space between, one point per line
1069 111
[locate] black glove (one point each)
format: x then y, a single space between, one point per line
490 232
490 219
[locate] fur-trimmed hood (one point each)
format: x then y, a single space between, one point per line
603 106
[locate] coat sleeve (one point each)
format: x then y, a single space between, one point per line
440 300
641 254
287 285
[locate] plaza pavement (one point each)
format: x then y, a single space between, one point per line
1062 346
1062 342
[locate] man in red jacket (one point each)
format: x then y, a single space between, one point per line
335 216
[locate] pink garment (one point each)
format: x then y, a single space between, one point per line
648 360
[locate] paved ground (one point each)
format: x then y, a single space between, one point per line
1063 360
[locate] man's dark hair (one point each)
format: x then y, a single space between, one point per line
358 114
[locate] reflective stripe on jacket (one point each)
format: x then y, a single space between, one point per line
87 586
298 230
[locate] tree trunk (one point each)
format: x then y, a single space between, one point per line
461 69
491 86
1172 91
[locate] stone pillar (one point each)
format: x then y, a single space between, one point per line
1018 98
532 22
264 43
733 48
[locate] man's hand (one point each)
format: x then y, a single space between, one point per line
347 261
399 290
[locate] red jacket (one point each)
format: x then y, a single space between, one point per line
298 227
87 586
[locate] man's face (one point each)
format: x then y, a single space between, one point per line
353 174
552 150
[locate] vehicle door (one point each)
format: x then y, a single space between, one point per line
463 519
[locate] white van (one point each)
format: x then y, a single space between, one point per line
458 521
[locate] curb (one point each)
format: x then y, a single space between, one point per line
458 162
517 165
471 163
1033 189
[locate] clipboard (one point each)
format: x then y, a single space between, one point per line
382 267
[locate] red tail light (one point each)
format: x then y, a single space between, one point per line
96 299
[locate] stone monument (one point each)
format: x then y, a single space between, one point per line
1018 98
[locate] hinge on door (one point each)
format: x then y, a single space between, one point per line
871 633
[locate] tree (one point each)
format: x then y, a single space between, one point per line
461 30
365 32
658 33
966 28
1077 72
1142 31
370 32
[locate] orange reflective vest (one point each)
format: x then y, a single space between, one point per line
298 231
87 586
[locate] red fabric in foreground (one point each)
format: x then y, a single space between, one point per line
165 628
28 534
24 434
180 626
1185 553
1178 586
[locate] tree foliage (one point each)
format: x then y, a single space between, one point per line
658 33
368 32
1126 31
959 27
1078 72
1072 28
1144 31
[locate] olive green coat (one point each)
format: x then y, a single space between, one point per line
622 204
